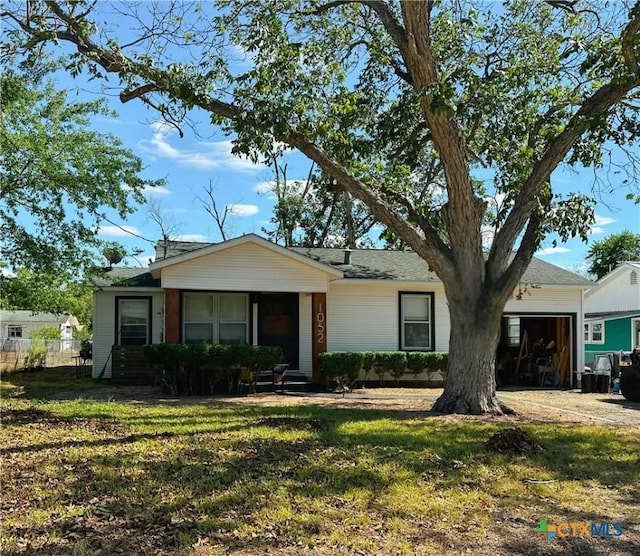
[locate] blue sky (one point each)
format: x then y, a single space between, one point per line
188 164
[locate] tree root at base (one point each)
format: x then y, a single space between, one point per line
461 405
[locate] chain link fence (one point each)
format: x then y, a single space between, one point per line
15 351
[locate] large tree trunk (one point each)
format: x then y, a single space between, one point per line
470 385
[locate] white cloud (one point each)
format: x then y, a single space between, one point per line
241 210
160 126
552 251
604 220
159 191
118 231
595 230
264 187
600 223
191 237
206 155
293 187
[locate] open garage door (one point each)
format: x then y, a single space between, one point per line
537 350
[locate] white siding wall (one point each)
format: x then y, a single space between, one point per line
547 300
27 328
246 267
104 310
616 294
365 317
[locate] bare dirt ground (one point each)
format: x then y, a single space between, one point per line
565 406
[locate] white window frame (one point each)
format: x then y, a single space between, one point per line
589 336
216 320
429 296
513 322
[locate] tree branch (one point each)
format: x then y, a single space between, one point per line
393 27
126 96
114 61
525 203
464 211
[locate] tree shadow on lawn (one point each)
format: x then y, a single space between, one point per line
238 469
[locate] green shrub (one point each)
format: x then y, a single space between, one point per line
392 362
418 361
368 365
37 355
198 369
46 333
342 366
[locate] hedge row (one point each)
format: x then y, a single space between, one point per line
349 366
201 369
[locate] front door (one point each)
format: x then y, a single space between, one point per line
133 321
278 316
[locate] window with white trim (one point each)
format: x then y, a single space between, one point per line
594 332
133 321
513 330
14 331
216 318
416 332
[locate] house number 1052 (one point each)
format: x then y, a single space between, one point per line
320 328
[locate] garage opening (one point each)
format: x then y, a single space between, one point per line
536 350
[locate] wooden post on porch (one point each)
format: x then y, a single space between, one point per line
172 316
319 336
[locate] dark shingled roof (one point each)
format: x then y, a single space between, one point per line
125 276
175 248
26 317
377 264
546 274
408 266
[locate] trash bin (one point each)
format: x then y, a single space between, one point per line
602 382
588 383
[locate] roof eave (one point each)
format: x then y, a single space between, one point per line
156 267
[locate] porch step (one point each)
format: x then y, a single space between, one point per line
294 381
129 366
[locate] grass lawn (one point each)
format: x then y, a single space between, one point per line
83 477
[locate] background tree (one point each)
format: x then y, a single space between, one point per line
608 253
46 292
222 216
57 176
372 91
166 222
316 212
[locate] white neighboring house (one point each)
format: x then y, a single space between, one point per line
612 312
309 300
16 326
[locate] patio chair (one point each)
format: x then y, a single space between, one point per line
278 373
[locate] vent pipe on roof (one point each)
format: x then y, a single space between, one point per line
347 256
